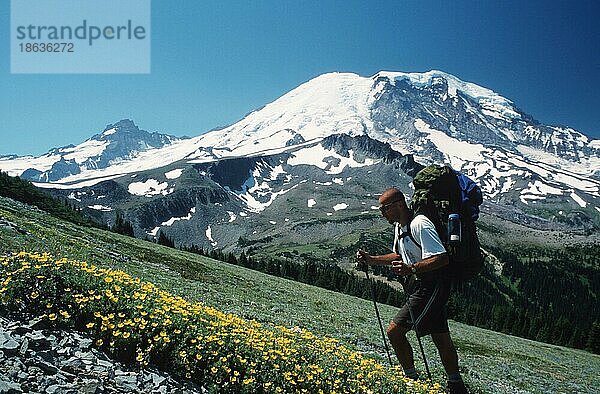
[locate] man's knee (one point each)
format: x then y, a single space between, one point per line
395 330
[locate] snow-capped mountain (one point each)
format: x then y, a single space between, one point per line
435 117
530 172
118 142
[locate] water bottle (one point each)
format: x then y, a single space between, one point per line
454 234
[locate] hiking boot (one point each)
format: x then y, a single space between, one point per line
456 388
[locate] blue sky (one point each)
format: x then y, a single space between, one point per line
213 62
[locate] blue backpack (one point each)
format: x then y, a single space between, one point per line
470 195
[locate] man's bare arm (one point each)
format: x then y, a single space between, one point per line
432 263
425 265
385 259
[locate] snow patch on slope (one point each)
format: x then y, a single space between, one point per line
578 200
455 150
340 206
109 132
149 188
75 185
208 234
278 170
258 196
174 174
84 151
100 208
171 221
327 160
541 189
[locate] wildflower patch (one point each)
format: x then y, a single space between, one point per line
139 323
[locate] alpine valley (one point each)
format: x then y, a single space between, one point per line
306 168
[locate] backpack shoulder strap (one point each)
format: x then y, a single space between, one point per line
409 234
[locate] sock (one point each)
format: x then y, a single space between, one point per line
411 373
454 377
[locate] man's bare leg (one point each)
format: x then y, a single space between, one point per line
402 348
447 351
449 357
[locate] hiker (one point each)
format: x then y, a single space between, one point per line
429 262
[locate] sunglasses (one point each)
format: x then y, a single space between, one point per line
387 206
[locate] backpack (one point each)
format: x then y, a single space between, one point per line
440 191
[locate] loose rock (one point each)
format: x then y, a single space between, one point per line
38 360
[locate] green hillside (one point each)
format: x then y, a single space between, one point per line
492 362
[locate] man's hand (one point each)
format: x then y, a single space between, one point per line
401 268
363 259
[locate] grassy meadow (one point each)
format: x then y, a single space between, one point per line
491 362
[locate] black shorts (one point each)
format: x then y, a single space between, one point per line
428 305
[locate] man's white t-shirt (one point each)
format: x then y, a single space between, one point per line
423 231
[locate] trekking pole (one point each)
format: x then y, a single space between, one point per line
412 317
387 350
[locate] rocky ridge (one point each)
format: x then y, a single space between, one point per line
39 360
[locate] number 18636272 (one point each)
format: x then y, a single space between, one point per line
50 47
